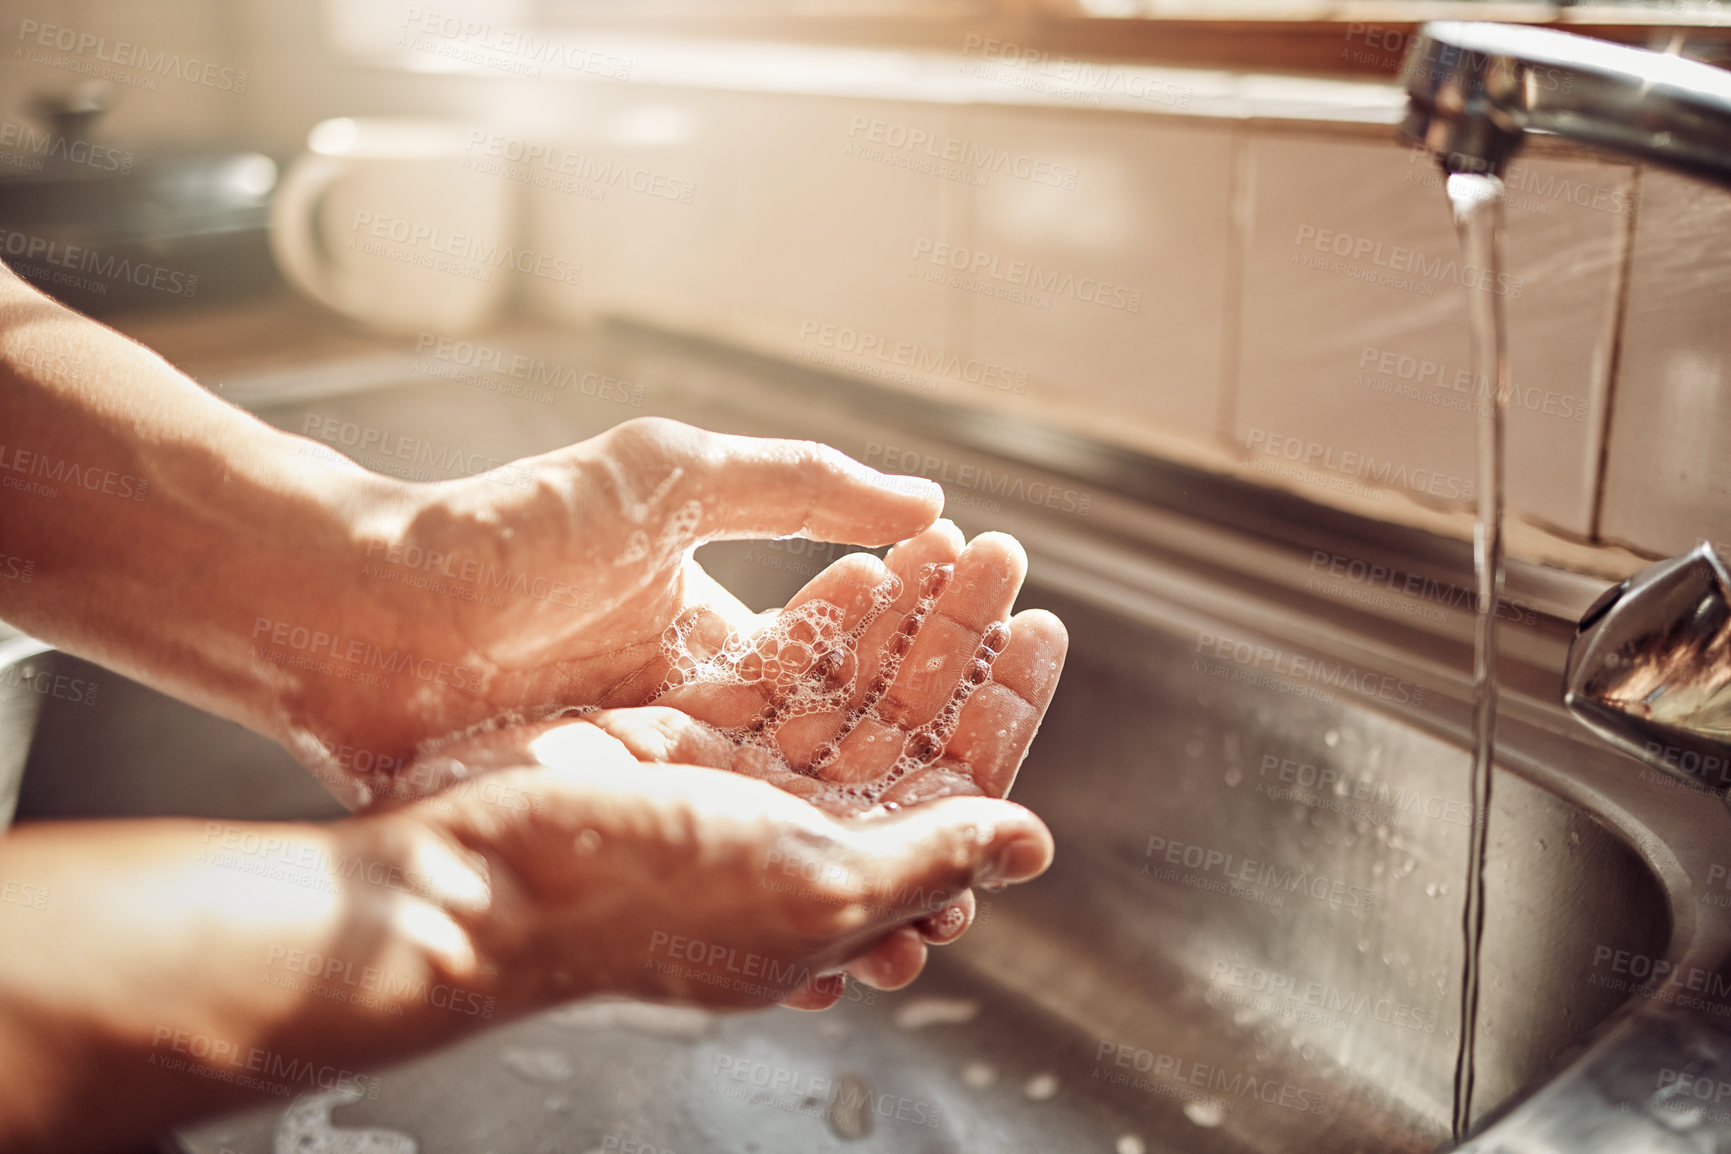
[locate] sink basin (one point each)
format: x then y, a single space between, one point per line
1251 940
1226 956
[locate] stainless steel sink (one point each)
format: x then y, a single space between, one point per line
1257 779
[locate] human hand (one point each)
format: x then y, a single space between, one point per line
610 875
883 683
584 559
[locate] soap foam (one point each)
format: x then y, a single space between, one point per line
807 663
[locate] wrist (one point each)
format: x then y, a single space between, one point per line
429 944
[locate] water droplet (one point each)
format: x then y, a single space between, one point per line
1206 1112
536 1064
1131 1144
918 1013
1234 776
849 1112
1041 1087
979 1075
1331 738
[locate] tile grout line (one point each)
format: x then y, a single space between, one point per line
1238 227
1613 370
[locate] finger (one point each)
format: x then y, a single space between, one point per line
820 993
702 589
999 721
893 962
921 675
849 584
951 922
940 544
754 487
913 563
988 575
922 859
856 669
665 735
660 735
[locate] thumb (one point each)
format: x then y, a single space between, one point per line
922 858
757 487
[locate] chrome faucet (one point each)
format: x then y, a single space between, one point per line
1650 666
1475 90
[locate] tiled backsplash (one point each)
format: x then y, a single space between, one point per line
1283 301
1241 279
1668 472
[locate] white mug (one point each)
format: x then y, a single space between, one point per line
383 221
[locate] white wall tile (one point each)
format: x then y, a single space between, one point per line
1668 470
787 243
1312 339
647 254
823 221
1125 201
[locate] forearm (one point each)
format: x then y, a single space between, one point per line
150 972
161 526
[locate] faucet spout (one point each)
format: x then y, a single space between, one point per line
1650 668
1475 90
